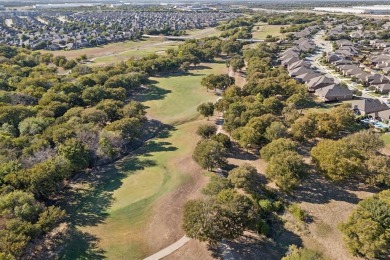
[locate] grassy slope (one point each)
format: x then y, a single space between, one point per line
136 182
105 49
127 49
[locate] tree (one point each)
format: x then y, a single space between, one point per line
244 177
276 147
134 109
246 136
231 47
298 100
378 170
221 81
93 115
76 152
223 217
206 109
304 127
34 125
367 230
128 127
70 64
206 131
236 63
286 170
210 154
23 219
273 105
216 184
44 178
275 130
366 141
222 139
336 159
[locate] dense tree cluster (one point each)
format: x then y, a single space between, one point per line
52 126
356 157
332 124
226 212
23 218
239 28
254 114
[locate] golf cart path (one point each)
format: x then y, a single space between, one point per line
169 249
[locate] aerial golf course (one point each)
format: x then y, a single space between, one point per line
120 206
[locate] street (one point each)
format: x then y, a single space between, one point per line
326 46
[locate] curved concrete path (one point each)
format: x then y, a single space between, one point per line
169 249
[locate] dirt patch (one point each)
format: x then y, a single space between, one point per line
165 226
193 250
328 205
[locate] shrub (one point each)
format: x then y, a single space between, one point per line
298 213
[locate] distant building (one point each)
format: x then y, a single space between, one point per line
66 5
373 9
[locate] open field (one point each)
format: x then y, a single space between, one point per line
260 31
119 51
135 52
104 50
118 210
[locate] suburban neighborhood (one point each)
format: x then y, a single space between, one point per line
55 30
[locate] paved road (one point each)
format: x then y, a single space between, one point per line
169 249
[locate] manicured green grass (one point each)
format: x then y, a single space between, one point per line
152 174
386 139
324 107
261 31
115 205
182 95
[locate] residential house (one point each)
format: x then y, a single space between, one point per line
366 106
319 82
334 92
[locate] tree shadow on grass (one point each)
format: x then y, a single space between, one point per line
151 92
200 67
317 189
88 197
254 247
237 153
81 245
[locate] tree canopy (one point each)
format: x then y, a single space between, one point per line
367 230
